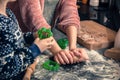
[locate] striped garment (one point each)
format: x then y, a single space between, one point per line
33 13
15 56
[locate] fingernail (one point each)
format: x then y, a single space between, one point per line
52 40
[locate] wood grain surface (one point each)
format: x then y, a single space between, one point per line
94 36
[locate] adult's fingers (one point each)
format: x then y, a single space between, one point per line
60 59
70 56
56 59
65 56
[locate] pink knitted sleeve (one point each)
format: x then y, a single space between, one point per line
68 14
31 11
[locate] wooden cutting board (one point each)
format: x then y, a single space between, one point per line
95 36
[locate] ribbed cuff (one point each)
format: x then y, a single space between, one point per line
35 50
29 38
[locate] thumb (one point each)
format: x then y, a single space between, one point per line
49 39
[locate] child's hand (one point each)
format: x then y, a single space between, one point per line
35 34
44 44
30 70
64 57
80 55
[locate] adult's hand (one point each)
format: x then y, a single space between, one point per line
80 55
64 57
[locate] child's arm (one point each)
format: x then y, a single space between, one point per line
29 37
31 69
14 56
55 48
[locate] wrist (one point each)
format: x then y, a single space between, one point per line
72 36
35 35
72 47
55 48
35 50
55 52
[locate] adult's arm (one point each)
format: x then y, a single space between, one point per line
32 14
68 14
69 20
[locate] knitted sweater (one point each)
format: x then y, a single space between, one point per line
15 56
30 14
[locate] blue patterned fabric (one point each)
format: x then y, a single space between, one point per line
15 56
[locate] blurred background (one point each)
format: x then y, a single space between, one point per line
105 12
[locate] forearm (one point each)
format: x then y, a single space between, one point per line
69 22
71 32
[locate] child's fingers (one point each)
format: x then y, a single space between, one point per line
80 55
28 74
85 55
76 59
49 40
37 60
76 52
81 59
49 45
26 78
